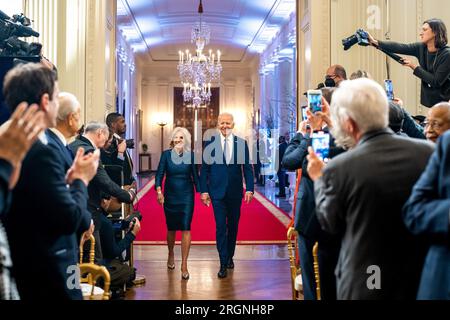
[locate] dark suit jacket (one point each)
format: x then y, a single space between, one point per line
101 183
6 170
281 151
427 214
45 214
109 158
67 159
362 193
221 180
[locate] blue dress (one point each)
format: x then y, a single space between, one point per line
181 175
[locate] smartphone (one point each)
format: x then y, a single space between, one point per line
315 100
321 145
389 89
304 115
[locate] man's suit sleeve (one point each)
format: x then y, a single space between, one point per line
296 152
65 208
6 170
204 174
329 208
427 212
104 183
248 171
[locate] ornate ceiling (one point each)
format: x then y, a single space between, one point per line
239 28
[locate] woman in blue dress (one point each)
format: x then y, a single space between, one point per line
178 166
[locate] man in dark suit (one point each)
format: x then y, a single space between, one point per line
281 173
427 214
225 158
95 136
49 204
67 125
117 153
361 194
22 131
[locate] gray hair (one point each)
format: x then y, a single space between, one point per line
68 104
365 102
226 114
94 126
186 136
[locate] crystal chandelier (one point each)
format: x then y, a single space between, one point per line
198 71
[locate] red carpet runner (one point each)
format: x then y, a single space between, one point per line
261 222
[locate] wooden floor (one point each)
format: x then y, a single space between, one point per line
261 273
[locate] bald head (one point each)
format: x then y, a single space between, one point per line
337 73
438 121
68 118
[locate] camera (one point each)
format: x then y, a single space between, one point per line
129 221
361 38
130 144
10 31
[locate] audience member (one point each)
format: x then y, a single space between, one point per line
306 222
23 129
335 75
427 214
361 194
438 121
360 74
281 173
120 272
48 203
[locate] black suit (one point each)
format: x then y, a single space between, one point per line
361 194
6 171
45 214
101 183
110 158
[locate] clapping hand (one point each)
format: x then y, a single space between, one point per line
84 167
25 127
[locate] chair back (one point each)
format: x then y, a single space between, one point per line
94 272
292 237
316 269
91 249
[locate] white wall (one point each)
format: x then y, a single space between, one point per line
158 83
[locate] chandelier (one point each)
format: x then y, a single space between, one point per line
198 71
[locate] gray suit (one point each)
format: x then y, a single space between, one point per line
361 194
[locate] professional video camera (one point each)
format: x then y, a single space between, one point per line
129 221
361 38
10 31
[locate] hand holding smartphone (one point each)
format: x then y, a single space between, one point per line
315 100
321 145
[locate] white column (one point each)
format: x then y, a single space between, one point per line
286 99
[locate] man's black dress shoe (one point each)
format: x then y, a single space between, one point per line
222 272
230 264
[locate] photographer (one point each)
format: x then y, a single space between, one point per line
434 59
111 250
117 153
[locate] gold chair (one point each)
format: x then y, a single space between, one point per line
92 272
316 269
296 277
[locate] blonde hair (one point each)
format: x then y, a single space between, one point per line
186 135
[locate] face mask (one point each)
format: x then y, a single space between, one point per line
329 82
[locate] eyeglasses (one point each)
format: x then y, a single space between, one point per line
433 125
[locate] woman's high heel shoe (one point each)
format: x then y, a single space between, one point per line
170 266
185 276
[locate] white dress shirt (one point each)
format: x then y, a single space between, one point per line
230 144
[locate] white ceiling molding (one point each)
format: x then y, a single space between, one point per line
240 29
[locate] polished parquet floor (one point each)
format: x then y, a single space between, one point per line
261 273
